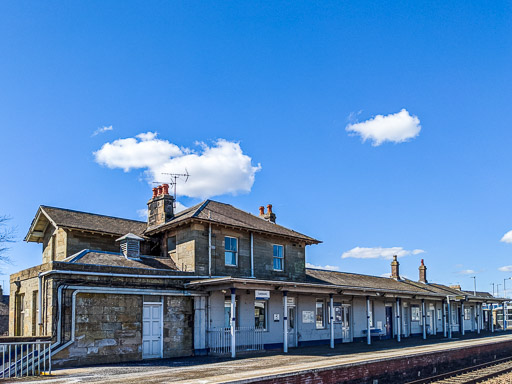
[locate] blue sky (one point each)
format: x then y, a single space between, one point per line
257 97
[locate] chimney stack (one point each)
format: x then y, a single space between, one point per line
160 206
395 266
269 216
423 273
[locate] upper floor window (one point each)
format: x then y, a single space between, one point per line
278 257
171 244
230 250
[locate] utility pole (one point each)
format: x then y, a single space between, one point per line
474 285
492 288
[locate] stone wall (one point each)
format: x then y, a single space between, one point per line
194 239
54 244
78 241
108 330
178 326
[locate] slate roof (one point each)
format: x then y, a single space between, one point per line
319 276
226 214
119 260
93 222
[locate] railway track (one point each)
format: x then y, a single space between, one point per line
471 375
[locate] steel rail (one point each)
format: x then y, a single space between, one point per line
496 368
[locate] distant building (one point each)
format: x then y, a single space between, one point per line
211 279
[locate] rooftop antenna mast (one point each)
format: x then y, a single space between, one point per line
174 180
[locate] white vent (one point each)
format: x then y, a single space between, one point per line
130 246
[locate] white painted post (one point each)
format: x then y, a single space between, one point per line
492 319
398 321
424 315
478 318
463 316
504 315
233 323
285 322
332 319
444 319
449 308
369 335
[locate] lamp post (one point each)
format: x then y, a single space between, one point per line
492 288
474 285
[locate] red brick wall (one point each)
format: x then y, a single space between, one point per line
398 370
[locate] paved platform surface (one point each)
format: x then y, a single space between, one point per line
209 370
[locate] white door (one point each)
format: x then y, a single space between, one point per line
152 331
292 329
405 320
345 325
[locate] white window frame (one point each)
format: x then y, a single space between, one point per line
277 257
236 251
265 310
323 314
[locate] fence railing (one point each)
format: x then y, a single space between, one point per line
28 358
246 339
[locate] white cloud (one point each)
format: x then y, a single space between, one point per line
214 170
379 253
507 237
397 128
102 130
325 267
467 272
506 268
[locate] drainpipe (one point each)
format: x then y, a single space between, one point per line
40 304
424 319
233 323
369 335
210 250
285 322
252 255
332 319
398 321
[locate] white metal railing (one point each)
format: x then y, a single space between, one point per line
246 339
28 358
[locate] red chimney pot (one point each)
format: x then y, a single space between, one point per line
269 208
262 210
155 191
165 188
160 190
422 263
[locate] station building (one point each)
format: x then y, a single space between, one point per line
212 279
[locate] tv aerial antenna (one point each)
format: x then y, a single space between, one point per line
175 177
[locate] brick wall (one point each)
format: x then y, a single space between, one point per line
397 370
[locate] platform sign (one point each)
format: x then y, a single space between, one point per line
262 295
290 301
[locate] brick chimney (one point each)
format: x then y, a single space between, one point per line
395 268
423 273
160 206
269 216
